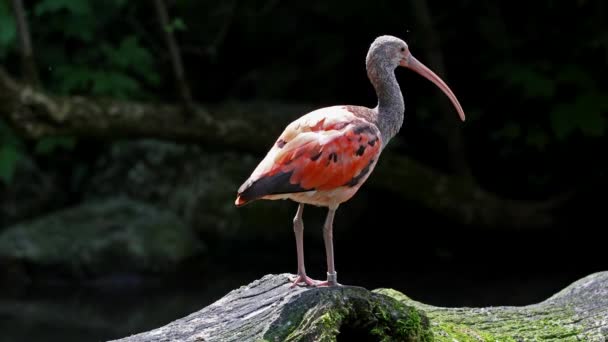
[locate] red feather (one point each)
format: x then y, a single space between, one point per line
318 152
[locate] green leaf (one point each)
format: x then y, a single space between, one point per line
79 27
585 113
561 122
130 55
70 79
510 131
593 124
9 156
8 136
575 75
48 145
538 139
591 108
52 6
176 25
179 25
529 79
533 83
113 83
120 3
7 29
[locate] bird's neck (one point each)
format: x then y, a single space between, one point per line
390 106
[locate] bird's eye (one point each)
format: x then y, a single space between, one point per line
402 49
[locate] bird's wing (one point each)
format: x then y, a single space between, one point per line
323 150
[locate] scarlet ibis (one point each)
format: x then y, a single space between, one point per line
326 155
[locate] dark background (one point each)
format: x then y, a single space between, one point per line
531 78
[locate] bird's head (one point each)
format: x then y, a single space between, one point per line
389 52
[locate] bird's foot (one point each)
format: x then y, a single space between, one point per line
303 278
332 280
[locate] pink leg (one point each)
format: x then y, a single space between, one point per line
328 235
298 229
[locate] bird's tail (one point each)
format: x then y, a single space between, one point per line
247 193
240 201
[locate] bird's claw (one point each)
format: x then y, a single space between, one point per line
303 278
332 280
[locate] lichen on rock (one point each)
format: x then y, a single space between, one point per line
577 313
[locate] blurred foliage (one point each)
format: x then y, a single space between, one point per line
11 149
50 144
7 29
94 58
114 79
176 25
80 48
528 86
568 115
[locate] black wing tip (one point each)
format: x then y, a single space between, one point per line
267 185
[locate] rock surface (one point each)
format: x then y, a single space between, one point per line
198 185
31 192
268 310
577 313
113 235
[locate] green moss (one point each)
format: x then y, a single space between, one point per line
398 296
323 314
440 328
496 324
289 321
331 322
448 332
324 328
396 321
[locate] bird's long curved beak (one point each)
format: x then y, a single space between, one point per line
414 64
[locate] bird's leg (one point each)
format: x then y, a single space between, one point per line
298 229
332 276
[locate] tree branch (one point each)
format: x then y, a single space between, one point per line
459 198
269 310
253 128
174 53
28 62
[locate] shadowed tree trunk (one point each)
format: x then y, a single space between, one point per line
268 310
252 128
448 127
174 53
28 62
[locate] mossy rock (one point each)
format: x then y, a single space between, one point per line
577 313
30 192
268 309
112 235
196 183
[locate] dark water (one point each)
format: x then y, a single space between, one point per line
88 315
448 267
124 306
